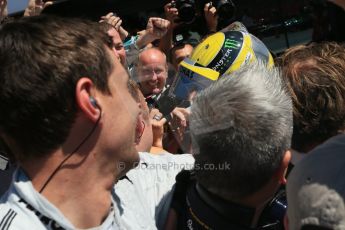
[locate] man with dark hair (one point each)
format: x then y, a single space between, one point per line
315 77
179 53
72 125
59 85
241 128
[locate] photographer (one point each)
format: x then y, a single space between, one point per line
189 15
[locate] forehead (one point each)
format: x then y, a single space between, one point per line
149 57
186 50
118 70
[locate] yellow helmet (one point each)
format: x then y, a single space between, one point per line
225 52
221 53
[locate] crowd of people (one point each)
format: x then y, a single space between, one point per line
101 129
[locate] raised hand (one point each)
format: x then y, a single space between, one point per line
35 7
211 17
157 27
115 21
3 9
171 14
157 122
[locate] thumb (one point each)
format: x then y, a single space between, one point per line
47 4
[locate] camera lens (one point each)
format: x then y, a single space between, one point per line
186 10
225 9
186 13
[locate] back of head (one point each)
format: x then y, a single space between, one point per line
41 60
243 120
315 188
315 76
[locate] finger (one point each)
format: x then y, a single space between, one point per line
114 20
47 4
108 15
157 116
180 116
163 121
118 24
173 10
161 23
213 10
207 6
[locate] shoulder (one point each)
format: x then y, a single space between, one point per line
7 216
14 215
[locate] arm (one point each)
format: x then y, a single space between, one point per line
171 14
156 28
211 17
35 7
157 127
3 9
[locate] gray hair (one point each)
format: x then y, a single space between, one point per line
243 120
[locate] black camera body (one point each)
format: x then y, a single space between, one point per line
186 10
189 9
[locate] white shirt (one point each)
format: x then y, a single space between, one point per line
140 201
145 195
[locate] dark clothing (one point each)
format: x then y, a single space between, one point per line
198 209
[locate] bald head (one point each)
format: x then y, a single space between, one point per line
152 71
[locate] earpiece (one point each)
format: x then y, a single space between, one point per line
94 102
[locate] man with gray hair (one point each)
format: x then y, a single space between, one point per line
241 128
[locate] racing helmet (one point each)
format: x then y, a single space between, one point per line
221 53
227 51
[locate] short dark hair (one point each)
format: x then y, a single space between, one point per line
244 120
315 77
41 60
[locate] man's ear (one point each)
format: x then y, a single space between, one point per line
83 93
281 172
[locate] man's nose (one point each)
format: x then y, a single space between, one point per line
154 76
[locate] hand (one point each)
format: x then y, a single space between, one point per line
157 122
35 7
211 17
115 22
157 27
171 14
3 9
179 122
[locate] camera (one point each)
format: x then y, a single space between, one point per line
189 9
225 9
186 10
